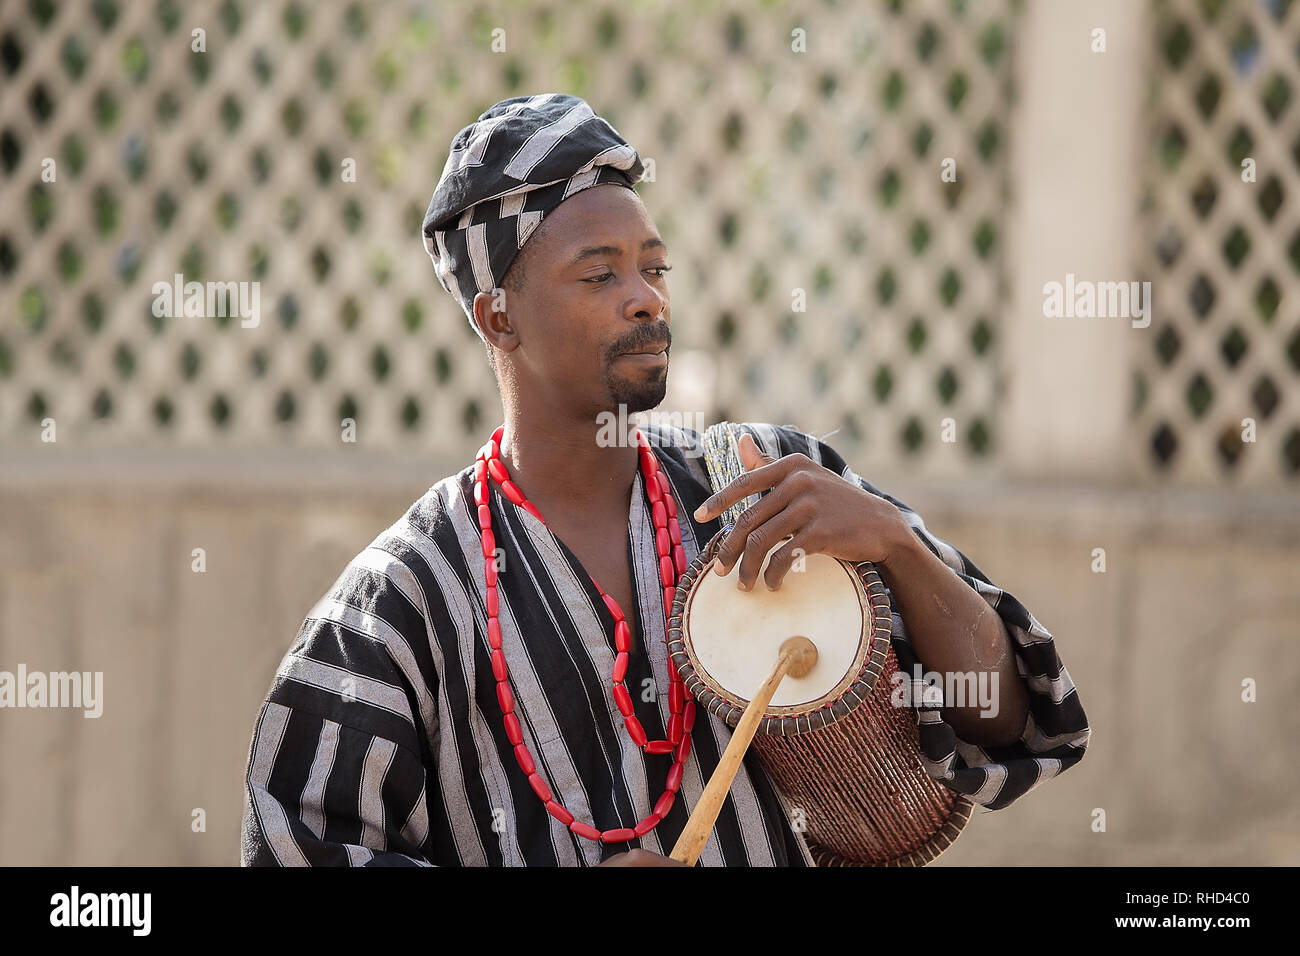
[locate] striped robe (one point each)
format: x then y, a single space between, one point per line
381 742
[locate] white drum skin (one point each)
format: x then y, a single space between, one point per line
736 635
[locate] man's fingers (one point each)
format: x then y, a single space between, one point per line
761 540
750 483
783 559
733 545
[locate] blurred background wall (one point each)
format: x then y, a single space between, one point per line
863 203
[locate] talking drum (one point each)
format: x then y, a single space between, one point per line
831 741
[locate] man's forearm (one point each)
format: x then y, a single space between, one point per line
954 630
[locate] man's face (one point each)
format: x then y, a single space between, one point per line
592 315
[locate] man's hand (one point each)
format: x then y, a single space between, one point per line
815 508
640 858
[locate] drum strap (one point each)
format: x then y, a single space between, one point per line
722 459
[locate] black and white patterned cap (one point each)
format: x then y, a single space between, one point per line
506 172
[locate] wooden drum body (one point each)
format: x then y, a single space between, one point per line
831 741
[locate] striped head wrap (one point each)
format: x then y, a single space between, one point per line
508 170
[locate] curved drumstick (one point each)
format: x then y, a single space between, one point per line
797 657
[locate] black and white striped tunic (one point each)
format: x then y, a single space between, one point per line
381 741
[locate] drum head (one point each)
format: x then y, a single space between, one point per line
736 635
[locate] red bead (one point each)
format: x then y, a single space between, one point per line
683 749
652 491
514 733
679 557
664 804
614 609
512 491
480 493
620 667
494 446
667 573
490 571
493 607
497 433
647 824
622 637
506 698
674 778
675 729
489 543
557 811
688 717
497 470
663 544
484 518
662 480
494 634
659 747
499 665
541 789
676 697
525 760
623 699
532 510
480 473
584 830
621 835
659 514
671 507
635 730
674 531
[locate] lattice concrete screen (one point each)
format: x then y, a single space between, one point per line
225 166
1223 237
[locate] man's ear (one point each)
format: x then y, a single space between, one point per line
493 320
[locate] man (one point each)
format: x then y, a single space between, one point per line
396 731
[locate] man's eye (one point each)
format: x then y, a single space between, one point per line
600 278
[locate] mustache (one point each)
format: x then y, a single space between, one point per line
641 337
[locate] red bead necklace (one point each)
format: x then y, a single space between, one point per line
672 563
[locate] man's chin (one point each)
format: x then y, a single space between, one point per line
639 396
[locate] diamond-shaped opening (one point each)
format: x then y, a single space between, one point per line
987 139
1276 96
1177 44
1270 198
946 385
1203 195
11 151
1291 452
927 39
1293 252
410 413
919 236
1234 345
980 438
916 335
984 238
1267 298
992 41
922 138
981 336
956 90
1236 246
318 361
101 406
1139 392
883 383
37 406
471 416
893 90
1240 145
888 187
1265 396
11 53
163 411
1164 444
1200 394
1244 47
1168 344
949 286
285 407
1172 146
886 286
1207 95
1201 296
1229 445
219 410
1169 247
911 435
348 408
1293 350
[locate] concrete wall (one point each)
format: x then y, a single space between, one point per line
1200 592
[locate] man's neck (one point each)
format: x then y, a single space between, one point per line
558 463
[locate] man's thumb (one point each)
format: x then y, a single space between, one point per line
750 456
